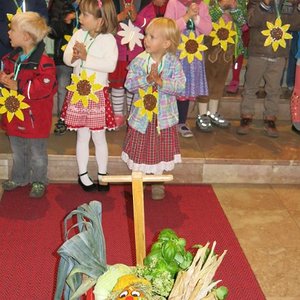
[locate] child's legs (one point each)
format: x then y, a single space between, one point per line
63 74
82 149
236 68
118 96
21 166
39 160
272 77
256 68
101 150
183 108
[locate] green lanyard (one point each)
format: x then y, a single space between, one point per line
89 46
19 61
23 4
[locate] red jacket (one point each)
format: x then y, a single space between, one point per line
37 83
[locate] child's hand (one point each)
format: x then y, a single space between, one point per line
8 81
154 77
192 11
132 12
69 18
79 51
228 4
123 15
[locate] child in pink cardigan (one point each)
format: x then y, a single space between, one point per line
190 16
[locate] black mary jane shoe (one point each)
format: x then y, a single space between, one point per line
86 188
103 187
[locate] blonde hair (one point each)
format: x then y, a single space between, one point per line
31 23
107 12
169 30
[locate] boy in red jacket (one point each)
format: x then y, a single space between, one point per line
28 82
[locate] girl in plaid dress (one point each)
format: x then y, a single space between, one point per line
155 77
93 53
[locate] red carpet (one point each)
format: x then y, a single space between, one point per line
30 233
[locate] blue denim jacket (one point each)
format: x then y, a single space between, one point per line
173 85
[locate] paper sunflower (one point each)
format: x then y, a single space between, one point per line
222 34
67 38
131 35
276 34
84 88
10 16
147 103
191 47
12 104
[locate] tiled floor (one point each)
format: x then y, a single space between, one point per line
265 218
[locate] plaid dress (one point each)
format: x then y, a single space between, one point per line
96 116
151 153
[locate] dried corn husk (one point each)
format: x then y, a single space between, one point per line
82 254
197 282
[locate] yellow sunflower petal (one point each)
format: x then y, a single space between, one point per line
72 88
224 45
266 32
142 93
3 109
230 40
92 78
275 46
96 87
270 25
268 41
190 58
24 105
192 35
83 75
181 47
278 22
215 41
138 103
5 92
75 98
9 116
282 43
213 33
199 55
75 78
202 47
149 115
184 38
287 36
216 26
94 98
183 54
19 114
85 101
221 22
200 38
285 27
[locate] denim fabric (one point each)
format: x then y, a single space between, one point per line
292 61
30 160
63 74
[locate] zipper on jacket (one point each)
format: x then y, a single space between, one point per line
31 118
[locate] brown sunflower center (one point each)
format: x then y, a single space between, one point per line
191 46
12 104
84 87
223 34
276 33
149 102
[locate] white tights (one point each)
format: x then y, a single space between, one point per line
83 153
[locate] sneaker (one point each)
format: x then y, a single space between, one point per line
270 128
244 127
233 87
10 185
157 191
203 122
184 131
60 127
37 190
218 120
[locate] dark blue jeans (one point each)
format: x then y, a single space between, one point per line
30 160
292 61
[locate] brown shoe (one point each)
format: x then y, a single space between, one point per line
244 127
158 191
270 127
